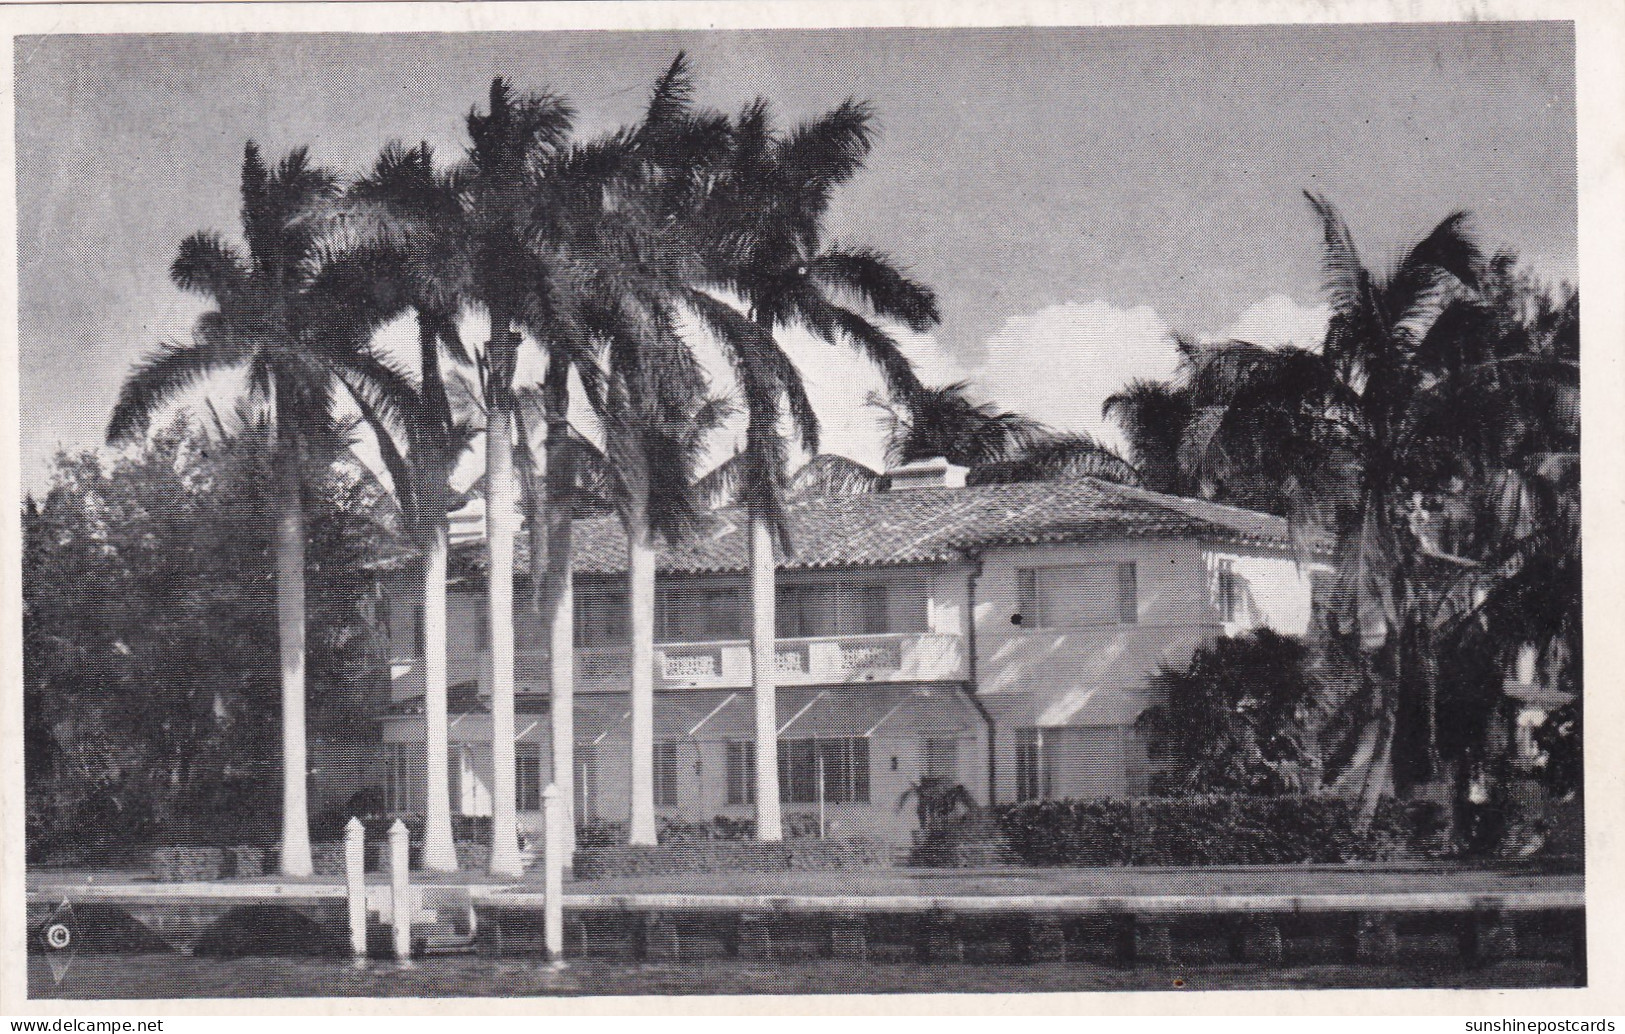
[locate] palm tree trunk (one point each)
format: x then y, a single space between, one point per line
439 849
641 600
764 679
290 612
1372 770
499 508
439 852
559 599
561 661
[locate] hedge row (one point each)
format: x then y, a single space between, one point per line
732 856
796 826
1215 830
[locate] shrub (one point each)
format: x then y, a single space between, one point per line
1235 718
731 856
1214 830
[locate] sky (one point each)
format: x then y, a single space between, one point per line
1074 196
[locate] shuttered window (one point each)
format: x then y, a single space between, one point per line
1081 594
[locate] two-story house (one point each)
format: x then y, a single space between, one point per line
1001 637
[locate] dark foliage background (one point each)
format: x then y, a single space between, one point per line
150 657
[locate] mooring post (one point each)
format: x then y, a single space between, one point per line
355 884
553 848
400 897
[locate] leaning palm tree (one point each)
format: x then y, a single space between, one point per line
280 316
1337 434
762 228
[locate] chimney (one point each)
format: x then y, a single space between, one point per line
935 472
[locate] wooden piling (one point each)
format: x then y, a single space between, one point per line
355 884
400 897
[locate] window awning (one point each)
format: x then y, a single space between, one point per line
860 712
836 712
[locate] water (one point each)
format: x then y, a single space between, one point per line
183 976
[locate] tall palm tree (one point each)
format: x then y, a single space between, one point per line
405 270
481 220
762 226
654 446
1339 435
278 316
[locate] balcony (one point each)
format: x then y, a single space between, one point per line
887 657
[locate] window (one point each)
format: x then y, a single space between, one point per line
1032 770
666 774
697 614
941 760
417 630
1085 594
741 771
601 616
839 766
403 775
1228 592
527 785
819 609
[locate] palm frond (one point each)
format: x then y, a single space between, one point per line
206 265
156 381
872 278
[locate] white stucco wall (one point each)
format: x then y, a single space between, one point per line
1086 685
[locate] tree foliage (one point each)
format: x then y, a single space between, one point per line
1238 717
150 648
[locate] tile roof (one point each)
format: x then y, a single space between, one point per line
929 525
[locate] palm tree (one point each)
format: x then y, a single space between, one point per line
654 445
610 239
999 446
944 421
763 234
281 316
1154 415
1339 435
481 226
406 269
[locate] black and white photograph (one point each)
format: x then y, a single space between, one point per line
550 512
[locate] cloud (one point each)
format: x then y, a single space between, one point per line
1061 363
1278 320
